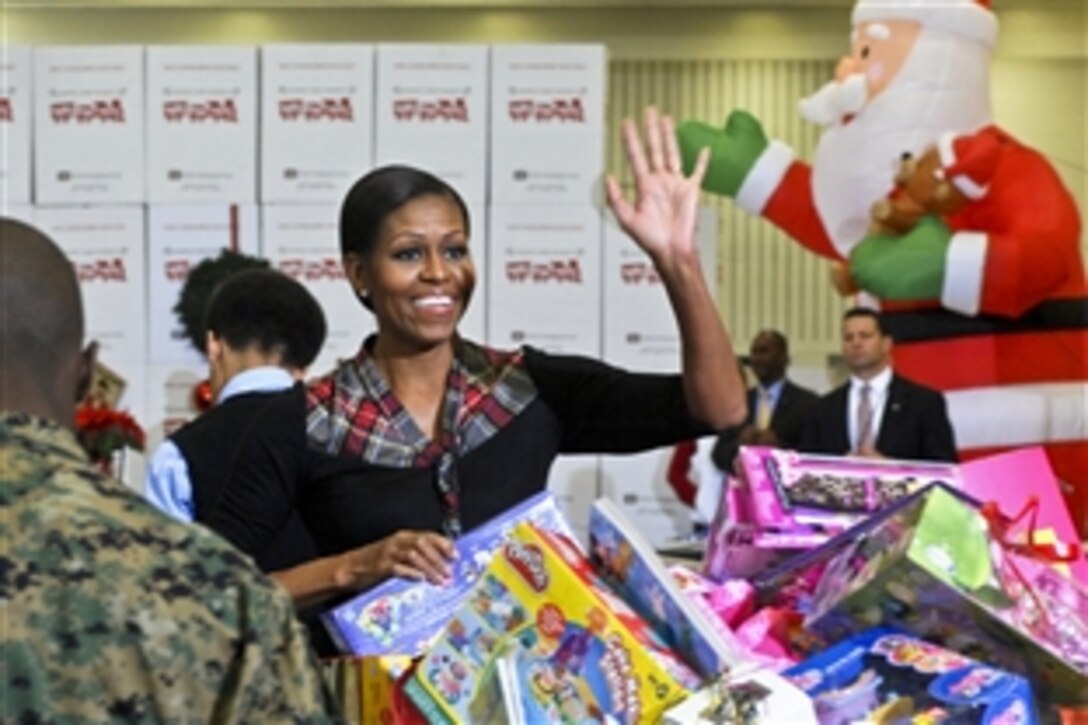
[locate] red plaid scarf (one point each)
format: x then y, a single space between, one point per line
352 413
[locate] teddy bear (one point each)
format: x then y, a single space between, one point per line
921 187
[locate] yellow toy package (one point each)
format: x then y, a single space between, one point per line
364 686
567 648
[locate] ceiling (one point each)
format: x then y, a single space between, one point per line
481 4
394 4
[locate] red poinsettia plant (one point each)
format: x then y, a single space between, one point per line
102 431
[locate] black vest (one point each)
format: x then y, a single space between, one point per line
209 445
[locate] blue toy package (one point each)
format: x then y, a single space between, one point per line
883 675
627 562
401 616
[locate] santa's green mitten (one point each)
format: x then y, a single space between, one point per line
734 150
907 267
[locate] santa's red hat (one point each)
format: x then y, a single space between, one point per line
969 162
972 18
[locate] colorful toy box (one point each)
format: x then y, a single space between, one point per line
745 696
787 489
1013 478
785 502
364 686
573 649
632 568
932 567
737 547
402 616
884 676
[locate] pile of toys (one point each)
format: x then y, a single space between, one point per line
832 590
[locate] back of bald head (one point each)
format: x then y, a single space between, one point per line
41 318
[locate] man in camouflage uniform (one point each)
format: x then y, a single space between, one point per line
109 609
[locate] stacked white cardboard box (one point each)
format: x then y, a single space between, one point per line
317 137
546 161
141 162
86 136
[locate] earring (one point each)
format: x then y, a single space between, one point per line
363 296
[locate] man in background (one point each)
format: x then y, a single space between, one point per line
877 413
777 407
111 610
262 331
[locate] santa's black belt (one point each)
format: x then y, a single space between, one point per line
1052 315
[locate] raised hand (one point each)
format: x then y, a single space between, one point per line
662 221
662 218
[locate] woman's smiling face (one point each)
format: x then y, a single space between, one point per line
420 276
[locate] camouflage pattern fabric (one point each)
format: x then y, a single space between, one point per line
112 611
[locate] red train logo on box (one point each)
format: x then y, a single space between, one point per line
102 270
321 109
558 109
439 109
176 270
559 270
217 110
109 110
311 270
639 273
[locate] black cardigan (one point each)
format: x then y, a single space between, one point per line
582 406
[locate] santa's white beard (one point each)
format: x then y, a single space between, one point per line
836 100
943 86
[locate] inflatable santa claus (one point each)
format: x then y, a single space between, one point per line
988 302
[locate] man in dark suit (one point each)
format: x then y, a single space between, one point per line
878 413
777 408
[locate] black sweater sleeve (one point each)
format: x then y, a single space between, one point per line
604 409
273 462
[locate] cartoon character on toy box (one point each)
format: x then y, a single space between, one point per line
882 675
986 300
627 562
578 653
402 616
933 568
788 490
